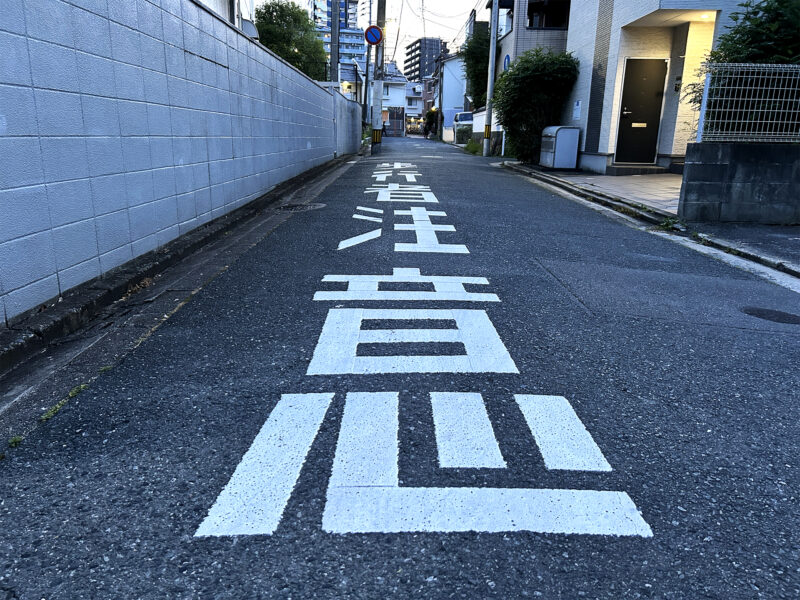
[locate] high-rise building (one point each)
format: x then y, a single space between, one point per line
351 38
366 10
320 12
421 57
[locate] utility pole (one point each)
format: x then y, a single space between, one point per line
335 41
487 129
440 114
377 104
365 118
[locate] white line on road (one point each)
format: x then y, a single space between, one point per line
366 218
359 239
254 499
364 493
337 348
782 279
446 288
377 211
563 440
464 435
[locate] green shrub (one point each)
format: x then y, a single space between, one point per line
473 147
475 53
531 95
463 134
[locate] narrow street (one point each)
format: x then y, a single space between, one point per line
437 380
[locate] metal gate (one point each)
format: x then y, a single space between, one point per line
396 124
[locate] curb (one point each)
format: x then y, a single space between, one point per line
639 211
655 216
34 330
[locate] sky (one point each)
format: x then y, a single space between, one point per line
405 22
441 19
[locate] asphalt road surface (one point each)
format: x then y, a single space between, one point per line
437 381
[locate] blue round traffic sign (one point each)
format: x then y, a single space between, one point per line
373 35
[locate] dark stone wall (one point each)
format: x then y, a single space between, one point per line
495 141
740 182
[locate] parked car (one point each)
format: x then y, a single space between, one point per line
462 127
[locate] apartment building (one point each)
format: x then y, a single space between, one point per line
636 59
421 57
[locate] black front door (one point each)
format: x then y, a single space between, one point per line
642 96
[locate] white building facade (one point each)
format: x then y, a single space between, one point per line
450 90
636 59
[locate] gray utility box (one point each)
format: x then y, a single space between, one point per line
559 147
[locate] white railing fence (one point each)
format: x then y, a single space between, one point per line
750 103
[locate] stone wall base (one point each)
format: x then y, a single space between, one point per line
741 182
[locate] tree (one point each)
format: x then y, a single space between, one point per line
763 32
287 30
531 95
475 53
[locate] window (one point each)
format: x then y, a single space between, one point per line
385 89
412 102
548 14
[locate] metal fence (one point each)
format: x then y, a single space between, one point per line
750 103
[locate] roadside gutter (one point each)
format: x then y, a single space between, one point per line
31 333
655 216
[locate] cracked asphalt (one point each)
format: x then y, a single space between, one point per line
692 401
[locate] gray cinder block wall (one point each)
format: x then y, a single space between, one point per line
126 123
741 182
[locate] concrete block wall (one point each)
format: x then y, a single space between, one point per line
348 125
738 182
124 124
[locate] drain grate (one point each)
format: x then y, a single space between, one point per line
300 207
777 316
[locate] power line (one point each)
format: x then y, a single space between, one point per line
399 24
464 26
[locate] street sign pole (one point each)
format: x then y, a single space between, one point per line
487 130
377 105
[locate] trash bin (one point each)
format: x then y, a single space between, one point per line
559 147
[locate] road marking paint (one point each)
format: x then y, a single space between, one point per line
359 239
336 350
365 218
397 165
562 438
378 509
365 287
425 230
464 434
367 448
364 493
377 211
399 192
254 499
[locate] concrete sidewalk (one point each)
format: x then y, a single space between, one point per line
660 191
